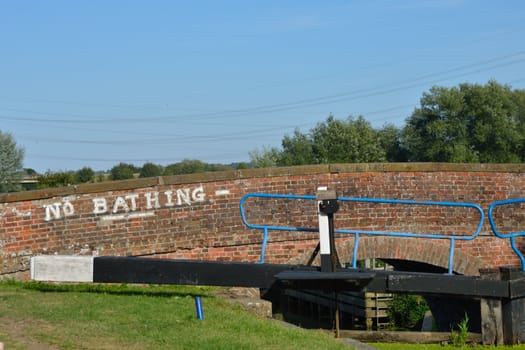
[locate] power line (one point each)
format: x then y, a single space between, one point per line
310 102
114 160
172 140
460 71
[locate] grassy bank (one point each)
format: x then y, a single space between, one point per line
45 316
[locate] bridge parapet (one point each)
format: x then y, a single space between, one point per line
197 216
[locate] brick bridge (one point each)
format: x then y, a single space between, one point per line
197 216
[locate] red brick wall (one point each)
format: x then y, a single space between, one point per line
197 216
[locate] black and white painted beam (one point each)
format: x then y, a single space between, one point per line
111 269
107 269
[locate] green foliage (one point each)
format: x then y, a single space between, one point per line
297 150
242 166
333 141
390 140
405 311
459 337
123 171
85 174
56 179
65 178
469 123
150 170
192 166
265 157
11 159
350 141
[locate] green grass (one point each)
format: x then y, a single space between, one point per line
135 317
94 316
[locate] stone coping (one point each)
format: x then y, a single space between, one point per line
229 175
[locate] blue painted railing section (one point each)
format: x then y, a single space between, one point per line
451 238
511 235
267 228
357 233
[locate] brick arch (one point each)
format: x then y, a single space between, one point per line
430 252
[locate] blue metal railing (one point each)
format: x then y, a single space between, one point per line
357 233
266 228
452 238
511 235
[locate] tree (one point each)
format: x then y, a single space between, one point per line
150 170
192 166
11 162
123 171
390 139
350 141
187 166
297 150
469 123
333 141
242 166
85 174
30 172
265 157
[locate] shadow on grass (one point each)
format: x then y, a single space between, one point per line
116 289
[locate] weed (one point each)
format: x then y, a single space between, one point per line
459 337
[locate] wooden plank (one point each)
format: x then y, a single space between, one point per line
111 269
327 300
405 337
447 284
491 322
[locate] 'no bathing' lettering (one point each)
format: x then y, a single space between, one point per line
129 203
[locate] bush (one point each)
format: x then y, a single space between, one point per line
84 175
405 311
123 171
56 179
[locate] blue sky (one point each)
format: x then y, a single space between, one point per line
95 83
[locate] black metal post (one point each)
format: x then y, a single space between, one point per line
328 205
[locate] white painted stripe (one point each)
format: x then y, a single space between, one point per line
324 227
324 234
62 268
222 192
127 216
